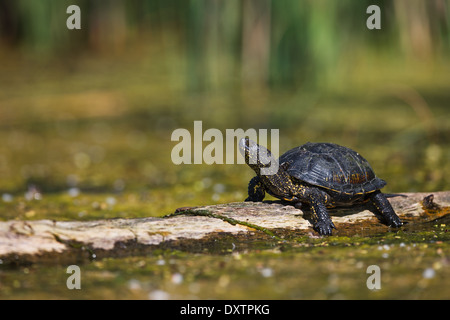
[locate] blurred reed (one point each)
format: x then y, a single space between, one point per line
226 43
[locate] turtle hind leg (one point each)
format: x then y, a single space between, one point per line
383 206
256 190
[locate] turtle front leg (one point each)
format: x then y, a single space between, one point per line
321 219
385 209
256 190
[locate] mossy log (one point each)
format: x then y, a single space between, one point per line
47 240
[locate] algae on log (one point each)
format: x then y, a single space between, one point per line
46 240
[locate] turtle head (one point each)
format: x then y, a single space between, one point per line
259 158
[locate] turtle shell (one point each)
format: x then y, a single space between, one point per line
333 167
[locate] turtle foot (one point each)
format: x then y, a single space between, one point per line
324 228
394 222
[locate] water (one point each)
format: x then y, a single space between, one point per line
97 146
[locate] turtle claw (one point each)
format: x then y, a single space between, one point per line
324 228
392 220
395 222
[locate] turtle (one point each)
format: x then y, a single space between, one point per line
321 175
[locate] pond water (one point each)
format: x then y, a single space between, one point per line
95 143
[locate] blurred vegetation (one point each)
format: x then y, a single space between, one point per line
86 118
221 43
86 115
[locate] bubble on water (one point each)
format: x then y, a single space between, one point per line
73 192
134 284
82 160
266 272
428 273
111 201
215 197
160 262
177 278
33 193
6 197
158 295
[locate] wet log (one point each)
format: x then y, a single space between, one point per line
47 240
